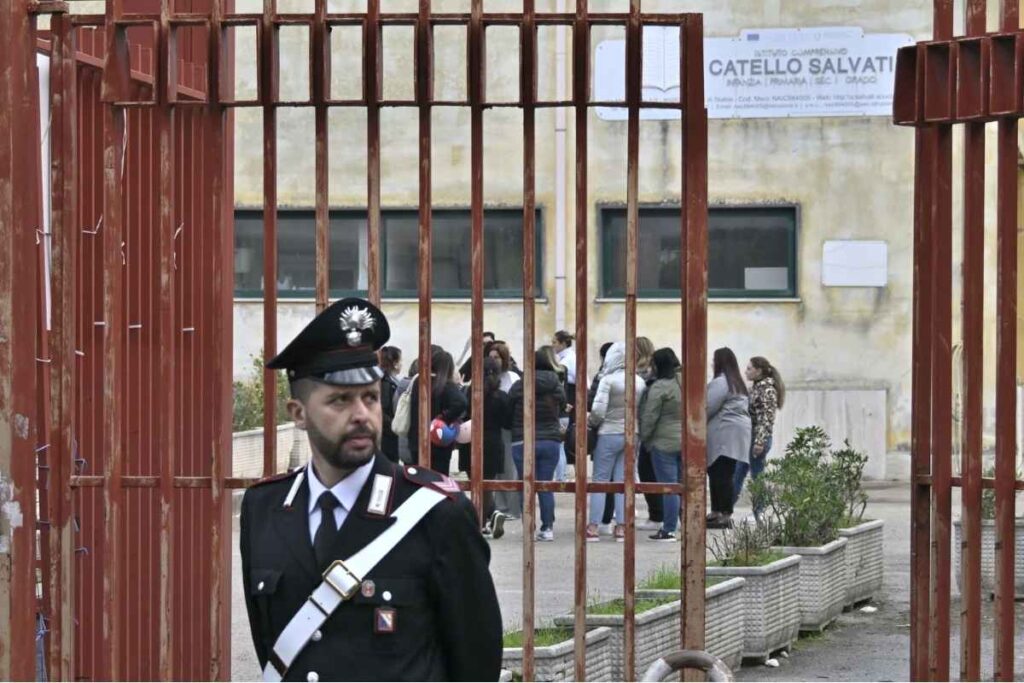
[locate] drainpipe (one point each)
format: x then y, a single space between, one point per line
561 219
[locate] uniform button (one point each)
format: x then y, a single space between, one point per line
312 677
412 470
317 636
386 595
259 587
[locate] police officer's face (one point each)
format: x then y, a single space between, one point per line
343 423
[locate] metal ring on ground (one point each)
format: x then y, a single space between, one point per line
714 667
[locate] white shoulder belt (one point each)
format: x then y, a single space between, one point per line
342 580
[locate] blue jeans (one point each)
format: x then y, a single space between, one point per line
609 464
667 470
755 468
544 470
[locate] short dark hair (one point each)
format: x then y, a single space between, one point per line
389 358
666 363
564 338
301 388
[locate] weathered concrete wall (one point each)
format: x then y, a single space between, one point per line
851 177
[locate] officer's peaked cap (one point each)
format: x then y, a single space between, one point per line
339 346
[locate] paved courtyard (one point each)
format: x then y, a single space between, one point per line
859 646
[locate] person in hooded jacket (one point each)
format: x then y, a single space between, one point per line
548 406
609 416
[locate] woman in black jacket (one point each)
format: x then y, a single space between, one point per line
446 402
549 404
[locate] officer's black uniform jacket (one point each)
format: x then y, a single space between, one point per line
448 624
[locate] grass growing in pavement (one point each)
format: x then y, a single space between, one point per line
543 637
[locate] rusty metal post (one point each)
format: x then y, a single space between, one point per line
321 74
164 82
268 95
580 95
694 280
634 75
1006 379
18 222
972 378
475 61
372 85
65 236
424 96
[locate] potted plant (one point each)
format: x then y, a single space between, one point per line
771 589
988 543
803 492
724 613
865 558
554 654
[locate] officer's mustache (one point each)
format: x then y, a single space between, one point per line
359 432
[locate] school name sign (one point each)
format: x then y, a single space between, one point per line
763 73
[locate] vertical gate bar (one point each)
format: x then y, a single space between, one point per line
424 97
695 270
113 353
972 380
528 97
372 93
164 82
920 494
268 93
942 374
634 67
319 68
475 60
18 319
1006 357
580 89
63 174
222 288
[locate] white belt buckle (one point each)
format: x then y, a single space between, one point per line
345 593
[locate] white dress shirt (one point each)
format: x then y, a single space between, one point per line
346 491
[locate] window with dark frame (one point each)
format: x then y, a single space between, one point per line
751 252
452 267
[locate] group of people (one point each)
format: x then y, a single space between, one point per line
739 435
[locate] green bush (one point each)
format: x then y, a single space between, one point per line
746 545
804 491
248 398
848 465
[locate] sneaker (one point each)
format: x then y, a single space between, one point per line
620 533
592 533
663 536
606 529
497 525
486 531
546 535
648 525
720 522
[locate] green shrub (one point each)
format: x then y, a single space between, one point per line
804 491
848 470
248 398
746 545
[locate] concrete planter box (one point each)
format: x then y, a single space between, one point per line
771 599
558 663
865 560
725 612
988 567
247 450
822 583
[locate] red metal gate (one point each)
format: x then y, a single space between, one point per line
130 387
970 80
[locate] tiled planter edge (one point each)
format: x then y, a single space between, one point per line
725 613
988 541
822 582
771 599
558 663
865 560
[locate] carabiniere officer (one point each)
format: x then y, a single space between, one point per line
355 568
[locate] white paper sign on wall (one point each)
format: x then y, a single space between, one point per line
855 263
762 73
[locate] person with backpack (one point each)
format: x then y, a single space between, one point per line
447 403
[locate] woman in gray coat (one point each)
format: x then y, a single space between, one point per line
728 434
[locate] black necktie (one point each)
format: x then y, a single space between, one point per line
327 531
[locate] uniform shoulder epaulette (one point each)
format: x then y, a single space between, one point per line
278 477
421 476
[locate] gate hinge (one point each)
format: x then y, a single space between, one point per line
48 7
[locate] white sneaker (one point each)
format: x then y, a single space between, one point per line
606 529
648 525
546 535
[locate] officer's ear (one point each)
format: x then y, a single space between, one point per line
297 412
